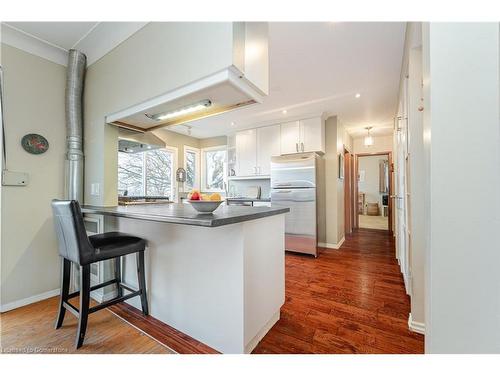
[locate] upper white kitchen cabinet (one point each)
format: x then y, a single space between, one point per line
312 135
268 145
254 148
306 135
246 152
290 137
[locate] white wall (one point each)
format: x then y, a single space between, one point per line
155 60
461 76
370 185
335 139
380 144
33 103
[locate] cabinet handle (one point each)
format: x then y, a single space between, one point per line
297 147
302 143
254 170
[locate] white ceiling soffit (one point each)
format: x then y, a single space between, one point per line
52 40
318 67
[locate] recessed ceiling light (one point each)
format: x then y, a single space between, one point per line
358 95
232 123
284 111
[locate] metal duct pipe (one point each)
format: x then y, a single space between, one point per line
74 125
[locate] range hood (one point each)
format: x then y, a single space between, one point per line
221 92
243 80
134 142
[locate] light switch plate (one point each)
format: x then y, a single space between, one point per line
10 178
94 189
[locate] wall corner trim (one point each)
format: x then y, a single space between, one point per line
332 246
414 326
28 301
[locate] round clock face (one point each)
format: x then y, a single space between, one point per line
35 144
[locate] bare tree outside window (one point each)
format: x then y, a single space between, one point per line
158 173
214 169
190 169
130 167
145 174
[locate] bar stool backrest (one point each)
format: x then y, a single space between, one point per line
74 243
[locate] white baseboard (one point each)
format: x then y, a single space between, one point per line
332 246
260 335
414 326
28 301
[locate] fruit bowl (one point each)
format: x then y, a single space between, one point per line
205 207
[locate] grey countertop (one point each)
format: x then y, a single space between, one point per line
185 214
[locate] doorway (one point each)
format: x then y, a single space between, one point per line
373 208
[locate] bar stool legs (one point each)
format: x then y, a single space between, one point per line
142 282
82 313
118 276
84 304
65 277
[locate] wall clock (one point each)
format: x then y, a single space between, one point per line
35 143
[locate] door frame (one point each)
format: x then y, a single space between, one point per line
348 191
391 175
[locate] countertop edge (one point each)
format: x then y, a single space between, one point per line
205 222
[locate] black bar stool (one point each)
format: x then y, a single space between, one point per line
76 247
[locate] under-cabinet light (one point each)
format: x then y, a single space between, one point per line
181 111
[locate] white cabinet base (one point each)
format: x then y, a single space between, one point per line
223 286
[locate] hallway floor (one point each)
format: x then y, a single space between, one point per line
373 222
350 300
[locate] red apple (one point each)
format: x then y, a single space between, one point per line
195 196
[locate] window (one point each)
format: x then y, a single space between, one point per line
192 167
214 168
149 173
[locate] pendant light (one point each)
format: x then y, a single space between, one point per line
368 138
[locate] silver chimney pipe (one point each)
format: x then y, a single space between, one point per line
74 125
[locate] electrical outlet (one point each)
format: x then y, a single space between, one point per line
95 189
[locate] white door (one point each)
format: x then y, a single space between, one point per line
401 189
290 137
246 152
268 144
311 135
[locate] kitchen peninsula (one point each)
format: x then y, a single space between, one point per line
219 278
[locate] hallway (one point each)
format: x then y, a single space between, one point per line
350 300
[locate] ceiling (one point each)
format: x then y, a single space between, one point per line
319 67
52 40
315 67
61 34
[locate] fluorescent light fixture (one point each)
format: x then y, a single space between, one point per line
368 138
195 107
358 95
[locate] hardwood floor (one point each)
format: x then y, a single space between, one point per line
30 329
174 339
350 300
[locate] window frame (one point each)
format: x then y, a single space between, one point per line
204 167
174 194
197 168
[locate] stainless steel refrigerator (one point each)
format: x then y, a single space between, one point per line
296 182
